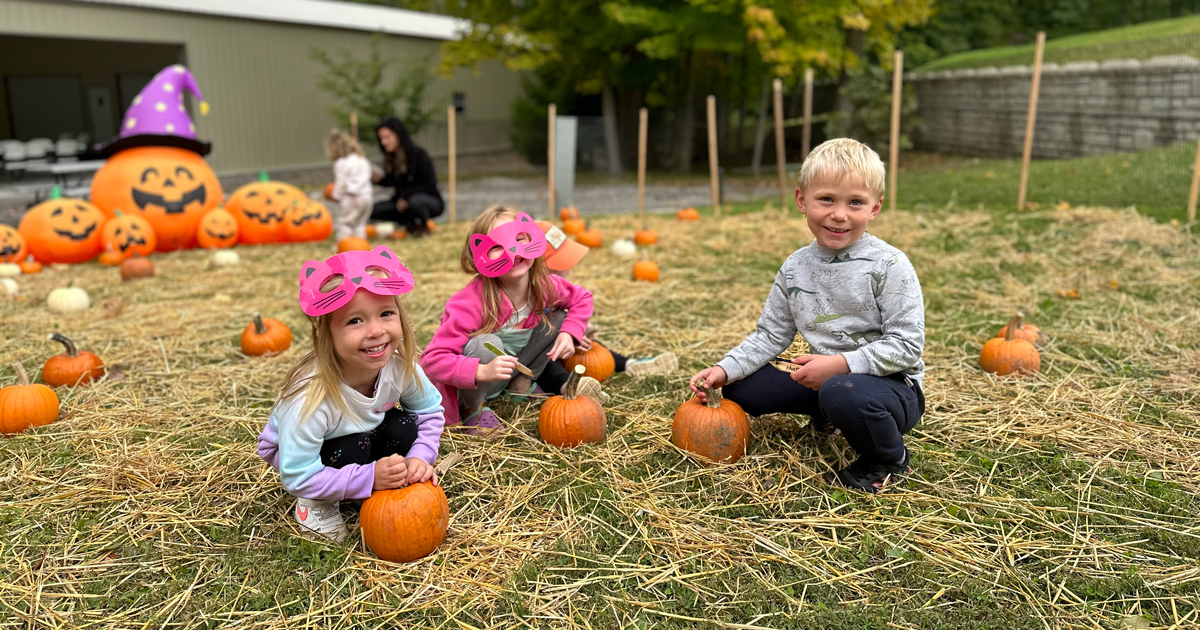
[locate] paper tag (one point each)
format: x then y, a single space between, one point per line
784 366
555 237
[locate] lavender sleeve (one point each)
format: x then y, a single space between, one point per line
425 401
303 477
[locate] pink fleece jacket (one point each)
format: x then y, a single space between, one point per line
443 360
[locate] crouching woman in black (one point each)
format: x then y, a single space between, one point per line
408 169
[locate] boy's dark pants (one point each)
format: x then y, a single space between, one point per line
873 412
394 436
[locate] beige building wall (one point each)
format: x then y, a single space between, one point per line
261 83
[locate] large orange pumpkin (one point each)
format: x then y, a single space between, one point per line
597 361
717 430
172 188
218 230
12 244
24 405
569 420
405 524
260 208
62 230
129 234
307 221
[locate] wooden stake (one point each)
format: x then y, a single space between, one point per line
643 119
1031 118
451 124
806 137
553 111
780 154
1191 209
894 147
354 125
712 154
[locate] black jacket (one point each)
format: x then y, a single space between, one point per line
420 177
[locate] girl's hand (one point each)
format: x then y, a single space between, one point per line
390 472
500 369
419 471
564 346
401 204
712 378
818 369
584 344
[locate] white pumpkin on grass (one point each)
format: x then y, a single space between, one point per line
385 229
624 249
225 258
68 299
9 287
9 270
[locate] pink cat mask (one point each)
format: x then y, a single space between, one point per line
352 267
503 238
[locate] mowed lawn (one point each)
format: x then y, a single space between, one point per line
1065 499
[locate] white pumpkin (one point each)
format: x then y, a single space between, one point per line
9 270
225 258
624 249
9 287
385 229
68 299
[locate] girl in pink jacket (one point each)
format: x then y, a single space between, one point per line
514 304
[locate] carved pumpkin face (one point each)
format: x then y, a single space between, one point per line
12 244
129 234
62 230
218 230
309 221
171 188
260 207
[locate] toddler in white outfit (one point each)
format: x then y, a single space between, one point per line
351 185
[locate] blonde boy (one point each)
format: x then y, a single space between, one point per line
857 302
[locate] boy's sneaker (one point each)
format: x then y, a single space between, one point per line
661 365
867 476
322 518
589 386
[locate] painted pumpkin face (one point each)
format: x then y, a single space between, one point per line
171 188
309 221
129 234
12 244
63 230
260 207
218 230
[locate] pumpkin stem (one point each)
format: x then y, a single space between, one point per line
569 389
259 326
263 177
712 398
72 352
56 192
22 377
1013 325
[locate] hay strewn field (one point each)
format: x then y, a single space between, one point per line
1068 499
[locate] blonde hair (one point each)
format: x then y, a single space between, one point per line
340 144
318 375
541 288
841 158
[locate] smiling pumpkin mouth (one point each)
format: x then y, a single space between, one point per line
77 237
131 241
265 218
306 218
8 250
219 235
143 199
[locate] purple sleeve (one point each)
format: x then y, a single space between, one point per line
429 435
349 482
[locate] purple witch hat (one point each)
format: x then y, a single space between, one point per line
157 116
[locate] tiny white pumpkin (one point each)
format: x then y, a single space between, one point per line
9 270
385 229
225 257
10 287
624 249
68 299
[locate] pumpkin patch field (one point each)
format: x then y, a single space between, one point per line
1062 494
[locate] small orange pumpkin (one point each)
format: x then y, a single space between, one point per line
29 265
589 237
136 267
327 192
265 335
431 225
372 231
1007 354
569 420
645 269
597 362
12 244
111 258
1028 332
129 234
688 214
645 236
568 212
400 235
72 368
405 524
24 405
717 430
218 229
63 230
260 208
353 243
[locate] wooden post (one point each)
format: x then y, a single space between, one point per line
451 124
1031 118
643 118
1191 209
780 154
553 111
806 137
894 146
712 154
354 125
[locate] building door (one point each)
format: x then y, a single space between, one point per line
100 106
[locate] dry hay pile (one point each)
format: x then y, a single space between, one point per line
1064 499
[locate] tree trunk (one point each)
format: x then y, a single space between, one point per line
760 134
845 106
687 117
612 145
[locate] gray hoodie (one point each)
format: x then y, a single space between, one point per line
863 301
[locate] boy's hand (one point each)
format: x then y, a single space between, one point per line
818 369
390 472
419 471
564 346
712 378
500 369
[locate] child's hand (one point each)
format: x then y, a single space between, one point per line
712 378
564 346
390 472
500 369
419 471
584 344
818 369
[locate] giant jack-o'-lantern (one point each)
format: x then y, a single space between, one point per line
308 221
128 234
62 230
260 208
218 230
172 188
12 245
